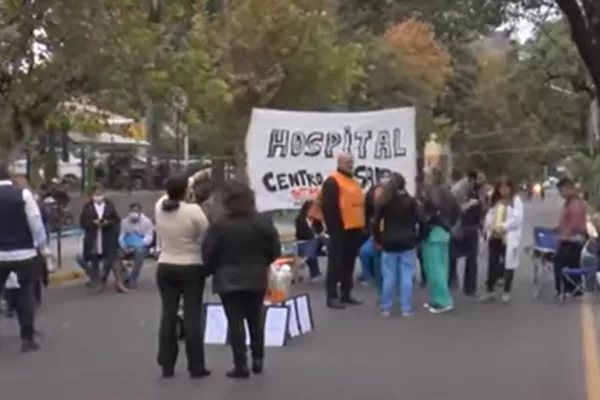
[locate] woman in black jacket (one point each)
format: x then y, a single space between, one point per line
238 249
395 229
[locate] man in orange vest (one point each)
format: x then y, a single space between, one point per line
343 207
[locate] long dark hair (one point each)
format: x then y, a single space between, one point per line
395 186
503 180
238 199
306 208
176 188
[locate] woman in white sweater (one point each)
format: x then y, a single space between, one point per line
181 227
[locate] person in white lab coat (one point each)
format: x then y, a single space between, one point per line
503 229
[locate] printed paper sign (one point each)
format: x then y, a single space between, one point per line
290 153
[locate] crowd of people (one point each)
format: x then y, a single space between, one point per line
390 230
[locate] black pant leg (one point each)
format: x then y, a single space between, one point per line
471 253
334 260
254 313
94 271
509 275
233 304
351 246
422 270
37 291
28 274
170 289
12 299
494 264
559 263
192 319
568 256
107 266
452 260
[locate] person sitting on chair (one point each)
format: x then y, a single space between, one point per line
137 234
309 234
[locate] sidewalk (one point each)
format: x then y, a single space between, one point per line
71 246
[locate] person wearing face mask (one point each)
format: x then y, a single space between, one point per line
137 233
101 224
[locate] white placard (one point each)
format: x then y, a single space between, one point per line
293 325
215 330
276 325
304 314
291 153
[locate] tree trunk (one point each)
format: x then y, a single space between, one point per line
584 20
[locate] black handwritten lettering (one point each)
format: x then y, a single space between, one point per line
363 144
368 176
332 141
314 144
275 182
278 143
362 138
347 147
297 143
383 146
398 142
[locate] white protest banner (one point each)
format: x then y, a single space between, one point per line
291 153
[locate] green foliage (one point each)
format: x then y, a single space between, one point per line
585 168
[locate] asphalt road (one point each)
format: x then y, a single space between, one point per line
99 347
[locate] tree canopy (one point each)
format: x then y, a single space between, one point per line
224 58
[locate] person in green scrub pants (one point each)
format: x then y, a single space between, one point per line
435 250
441 211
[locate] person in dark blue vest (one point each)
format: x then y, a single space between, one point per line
22 235
20 180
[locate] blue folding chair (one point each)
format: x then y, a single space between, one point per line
545 246
583 276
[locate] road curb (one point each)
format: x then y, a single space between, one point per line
62 276
67 233
66 275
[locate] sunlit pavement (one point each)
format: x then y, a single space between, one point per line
103 347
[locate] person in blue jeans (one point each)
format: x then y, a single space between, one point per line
137 234
310 238
395 229
369 254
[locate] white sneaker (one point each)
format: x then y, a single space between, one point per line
407 314
440 310
506 297
487 297
386 314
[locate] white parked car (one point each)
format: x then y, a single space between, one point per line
68 171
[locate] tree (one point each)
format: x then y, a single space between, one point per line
583 17
421 57
452 20
550 69
277 54
47 57
497 133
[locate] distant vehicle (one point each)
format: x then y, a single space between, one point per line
69 172
550 182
